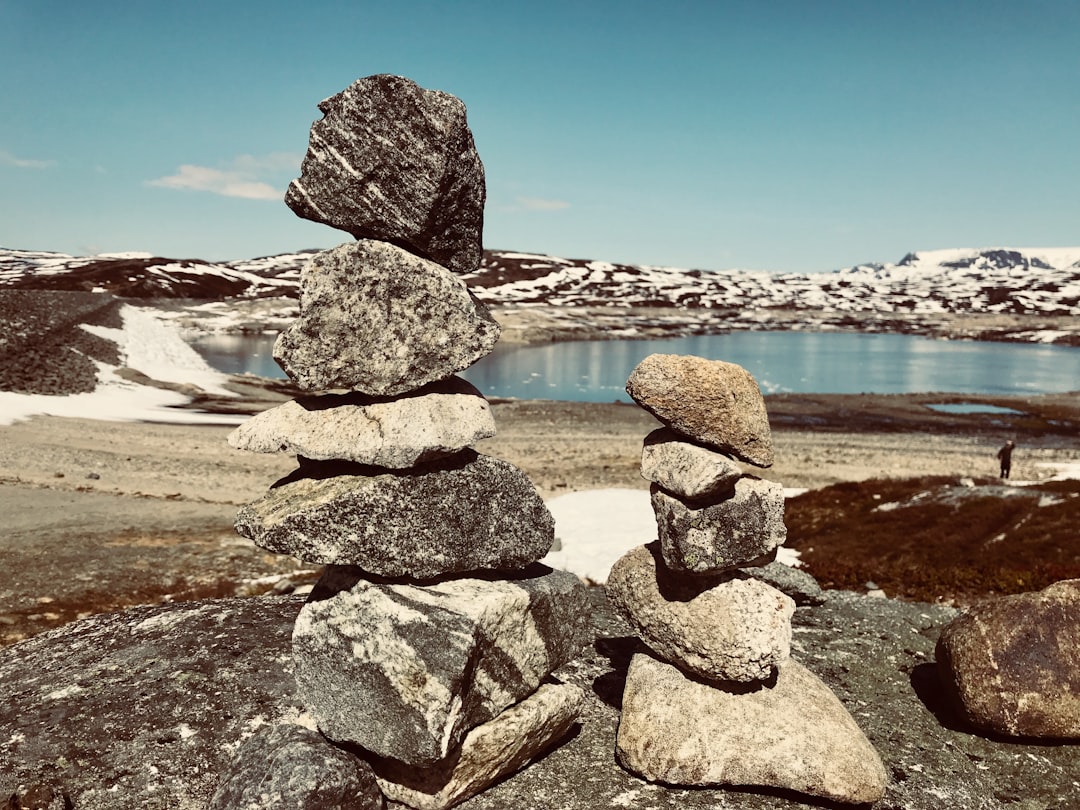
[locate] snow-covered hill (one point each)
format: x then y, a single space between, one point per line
1035 281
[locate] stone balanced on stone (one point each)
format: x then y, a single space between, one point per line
717 699
428 640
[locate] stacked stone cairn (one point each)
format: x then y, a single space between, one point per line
428 644
716 698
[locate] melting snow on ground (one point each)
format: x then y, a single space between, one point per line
147 345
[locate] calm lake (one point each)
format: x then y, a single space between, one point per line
807 362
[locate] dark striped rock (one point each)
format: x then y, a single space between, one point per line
291 766
711 402
491 751
405 671
687 470
438 420
792 734
714 538
464 513
379 320
731 628
392 161
1012 664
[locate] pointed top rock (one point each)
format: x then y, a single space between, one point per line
392 161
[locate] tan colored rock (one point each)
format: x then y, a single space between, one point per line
745 529
732 628
490 751
1012 664
793 735
436 421
711 402
687 470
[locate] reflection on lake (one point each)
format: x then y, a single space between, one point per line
813 362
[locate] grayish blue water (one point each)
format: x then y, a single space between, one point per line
970 407
807 362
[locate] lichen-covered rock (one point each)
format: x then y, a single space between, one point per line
793 734
392 161
491 751
687 470
405 671
711 402
465 513
732 628
714 538
289 766
379 320
1012 664
438 420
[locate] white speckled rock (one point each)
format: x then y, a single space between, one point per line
465 513
438 420
686 470
497 748
794 734
1012 663
713 403
392 161
714 538
405 671
732 628
376 319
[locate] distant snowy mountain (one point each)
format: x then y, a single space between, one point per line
1025 281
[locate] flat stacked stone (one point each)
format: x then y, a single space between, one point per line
716 699
431 637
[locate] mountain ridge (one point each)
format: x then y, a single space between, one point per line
924 286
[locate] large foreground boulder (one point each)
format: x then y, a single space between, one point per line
143 710
392 161
405 671
1012 664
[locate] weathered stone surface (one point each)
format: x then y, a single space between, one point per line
140 710
715 538
291 766
94 706
464 513
1012 664
376 319
793 734
491 751
713 403
794 582
687 470
436 421
406 671
392 161
731 628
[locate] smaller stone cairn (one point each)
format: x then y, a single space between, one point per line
716 699
428 643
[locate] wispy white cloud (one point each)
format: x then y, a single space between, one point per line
540 204
8 159
244 176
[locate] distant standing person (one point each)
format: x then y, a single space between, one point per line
1005 457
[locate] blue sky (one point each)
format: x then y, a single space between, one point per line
798 136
